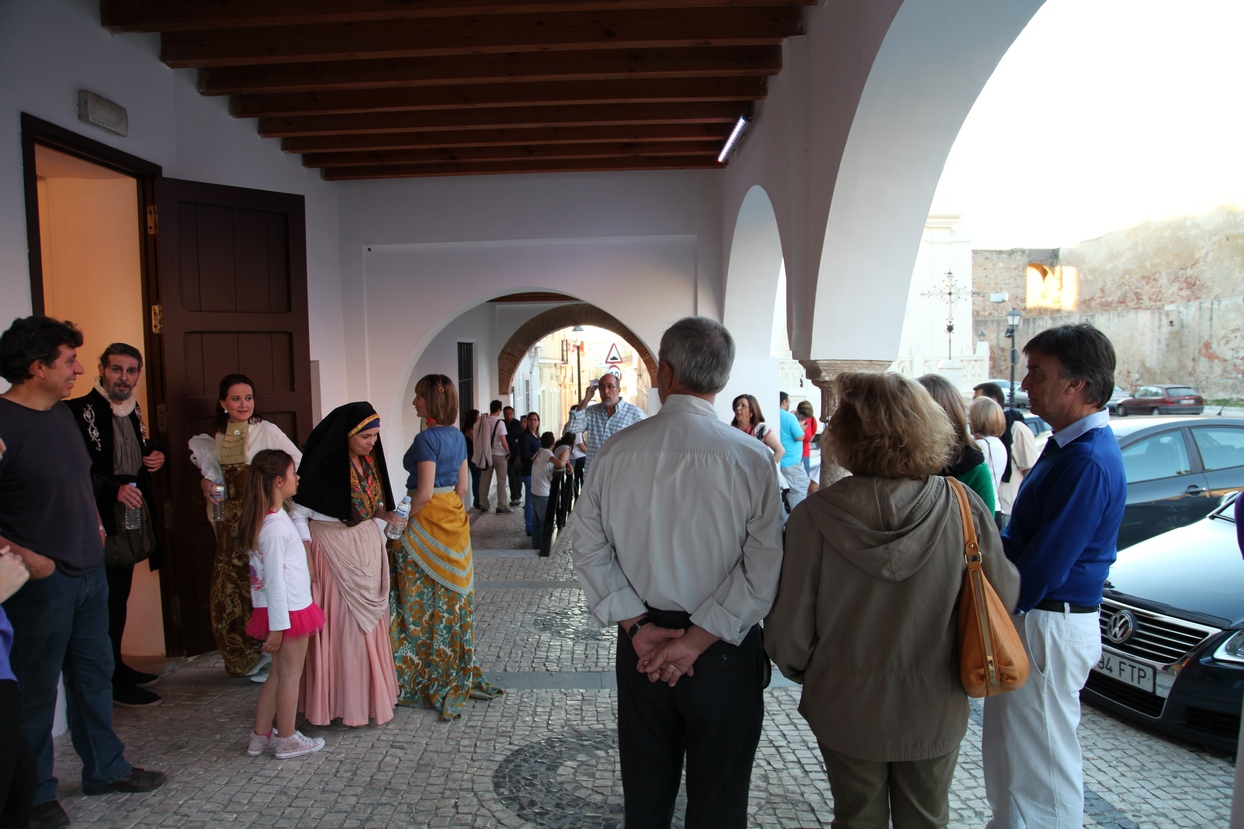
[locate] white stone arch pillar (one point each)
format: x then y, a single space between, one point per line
754 264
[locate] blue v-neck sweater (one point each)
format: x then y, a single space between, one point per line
1064 526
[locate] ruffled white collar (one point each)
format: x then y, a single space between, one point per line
124 409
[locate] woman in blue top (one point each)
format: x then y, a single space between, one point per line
432 575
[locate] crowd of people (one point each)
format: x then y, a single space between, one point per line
680 543
343 607
691 534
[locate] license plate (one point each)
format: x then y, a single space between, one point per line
1186 402
1136 674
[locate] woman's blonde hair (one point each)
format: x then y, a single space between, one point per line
887 426
986 417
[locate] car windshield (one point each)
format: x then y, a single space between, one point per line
1179 391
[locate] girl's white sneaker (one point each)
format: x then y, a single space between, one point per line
261 743
297 745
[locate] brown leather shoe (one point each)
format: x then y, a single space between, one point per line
48 815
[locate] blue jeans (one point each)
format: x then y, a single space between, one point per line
540 509
527 512
60 624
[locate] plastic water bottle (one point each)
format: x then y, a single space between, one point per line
217 499
133 515
403 512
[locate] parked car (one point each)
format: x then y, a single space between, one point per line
1021 396
1177 470
1120 394
1172 630
1040 429
1162 400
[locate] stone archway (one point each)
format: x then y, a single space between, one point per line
555 319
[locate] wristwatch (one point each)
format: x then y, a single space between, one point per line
634 629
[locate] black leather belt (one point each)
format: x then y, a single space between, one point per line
1065 607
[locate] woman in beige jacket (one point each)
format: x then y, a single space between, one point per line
865 613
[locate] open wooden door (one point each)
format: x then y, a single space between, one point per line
232 281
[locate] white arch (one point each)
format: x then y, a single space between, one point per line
753 267
933 63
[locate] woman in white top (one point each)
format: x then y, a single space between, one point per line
224 458
988 423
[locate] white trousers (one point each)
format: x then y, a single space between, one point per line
1034 773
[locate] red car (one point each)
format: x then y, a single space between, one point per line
1163 400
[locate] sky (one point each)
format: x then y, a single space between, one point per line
1103 115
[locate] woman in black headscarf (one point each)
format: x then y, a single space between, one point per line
344 488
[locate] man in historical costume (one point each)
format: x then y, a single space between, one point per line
48 517
491 455
603 420
678 541
111 423
1062 537
1020 445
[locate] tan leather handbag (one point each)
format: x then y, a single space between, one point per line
991 656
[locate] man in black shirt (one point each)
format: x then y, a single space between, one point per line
48 517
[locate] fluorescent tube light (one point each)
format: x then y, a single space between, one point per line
739 126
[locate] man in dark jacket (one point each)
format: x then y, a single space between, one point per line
116 439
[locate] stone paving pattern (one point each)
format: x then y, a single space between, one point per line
545 755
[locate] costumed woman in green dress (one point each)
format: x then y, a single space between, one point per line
225 459
433 576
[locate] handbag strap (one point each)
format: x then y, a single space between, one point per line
971 547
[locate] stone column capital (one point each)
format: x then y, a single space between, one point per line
823 372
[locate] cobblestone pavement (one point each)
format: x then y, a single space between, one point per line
545 754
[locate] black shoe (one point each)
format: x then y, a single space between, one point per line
138 679
516 503
501 511
131 697
138 780
48 815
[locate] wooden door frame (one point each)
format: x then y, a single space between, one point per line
36 131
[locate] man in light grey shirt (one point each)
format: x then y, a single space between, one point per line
678 541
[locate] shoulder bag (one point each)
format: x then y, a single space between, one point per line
991 656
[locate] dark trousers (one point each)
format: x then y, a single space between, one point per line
475 475
713 718
60 623
17 764
514 475
120 580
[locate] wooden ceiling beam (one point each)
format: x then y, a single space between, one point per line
513 153
595 64
499 95
508 117
389 141
191 15
738 26
587 165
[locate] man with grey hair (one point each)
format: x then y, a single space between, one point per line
678 542
603 420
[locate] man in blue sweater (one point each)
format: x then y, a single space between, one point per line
1062 537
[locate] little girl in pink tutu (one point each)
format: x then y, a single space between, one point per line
284 613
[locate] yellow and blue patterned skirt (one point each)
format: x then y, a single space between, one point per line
433 583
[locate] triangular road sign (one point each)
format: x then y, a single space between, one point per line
615 356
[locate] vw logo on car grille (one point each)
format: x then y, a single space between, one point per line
1121 627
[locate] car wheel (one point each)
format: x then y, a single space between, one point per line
1122 411
1154 411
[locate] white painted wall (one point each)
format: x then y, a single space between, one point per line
50 49
419 254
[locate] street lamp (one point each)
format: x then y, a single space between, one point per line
1012 322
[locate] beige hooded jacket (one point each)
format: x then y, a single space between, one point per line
865 614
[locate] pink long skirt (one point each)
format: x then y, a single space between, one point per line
349 673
